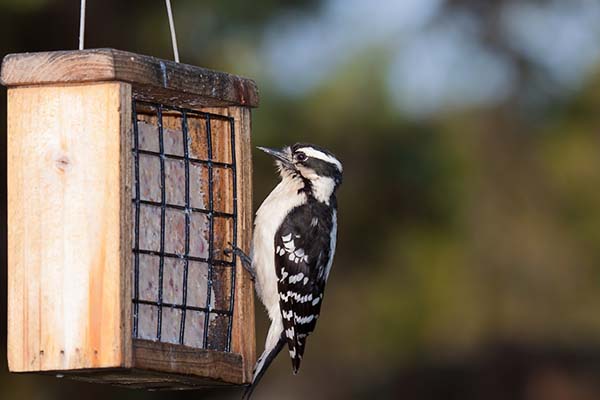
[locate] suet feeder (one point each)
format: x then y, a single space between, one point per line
128 179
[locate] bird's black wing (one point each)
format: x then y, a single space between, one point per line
302 252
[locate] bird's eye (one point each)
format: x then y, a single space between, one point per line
301 156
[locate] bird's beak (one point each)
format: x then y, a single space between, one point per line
280 155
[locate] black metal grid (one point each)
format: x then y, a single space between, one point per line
210 212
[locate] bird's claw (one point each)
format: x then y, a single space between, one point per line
246 260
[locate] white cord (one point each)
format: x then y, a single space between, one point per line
172 27
82 25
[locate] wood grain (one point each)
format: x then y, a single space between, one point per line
177 359
67 306
132 378
152 78
243 339
165 366
127 181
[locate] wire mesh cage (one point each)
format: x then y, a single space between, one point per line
144 184
185 218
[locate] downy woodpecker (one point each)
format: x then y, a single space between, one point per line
292 248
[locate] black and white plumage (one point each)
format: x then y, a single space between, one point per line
293 247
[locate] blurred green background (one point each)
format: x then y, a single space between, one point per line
468 262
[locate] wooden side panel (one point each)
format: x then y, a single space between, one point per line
127 182
243 340
68 285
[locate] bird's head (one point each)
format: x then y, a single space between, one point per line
320 170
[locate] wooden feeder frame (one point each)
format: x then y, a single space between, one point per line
70 215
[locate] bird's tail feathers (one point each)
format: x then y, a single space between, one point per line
297 351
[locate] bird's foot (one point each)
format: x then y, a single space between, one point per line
246 260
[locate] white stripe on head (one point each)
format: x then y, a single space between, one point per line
314 153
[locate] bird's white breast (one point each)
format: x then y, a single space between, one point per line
269 217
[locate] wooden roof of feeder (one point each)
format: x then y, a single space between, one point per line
169 81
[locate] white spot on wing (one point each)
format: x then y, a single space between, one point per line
285 297
304 320
290 333
284 274
287 237
296 278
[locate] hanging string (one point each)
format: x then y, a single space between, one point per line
172 27
82 25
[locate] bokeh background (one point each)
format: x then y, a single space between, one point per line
468 262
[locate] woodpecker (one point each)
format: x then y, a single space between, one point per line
294 241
